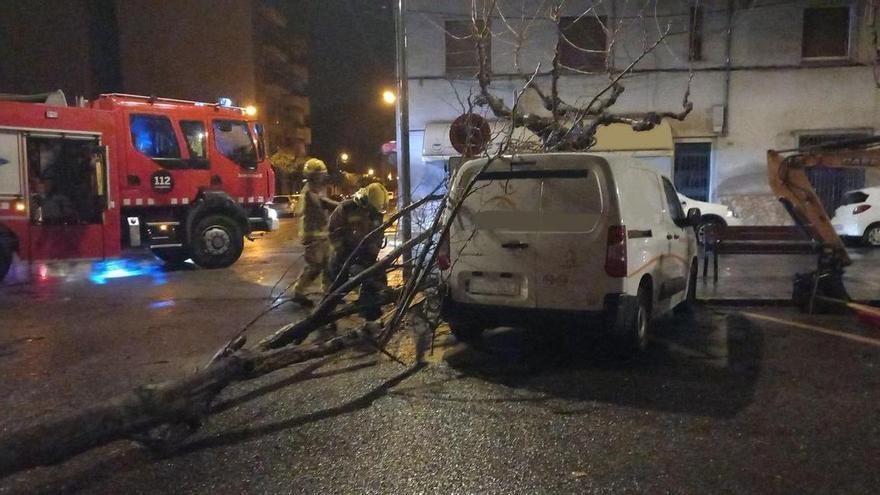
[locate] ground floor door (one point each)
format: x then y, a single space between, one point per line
832 183
692 167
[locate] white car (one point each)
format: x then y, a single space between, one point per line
567 235
712 214
858 216
284 204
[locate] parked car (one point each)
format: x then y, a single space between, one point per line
567 235
711 214
858 216
284 204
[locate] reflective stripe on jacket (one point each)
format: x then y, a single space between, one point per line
314 218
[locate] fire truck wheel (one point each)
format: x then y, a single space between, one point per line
5 262
171 256
217 242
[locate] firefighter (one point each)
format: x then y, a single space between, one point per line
313 208
350 223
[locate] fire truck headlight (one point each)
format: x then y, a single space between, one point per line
20 206
250 110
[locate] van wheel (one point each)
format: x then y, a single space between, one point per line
691 297
465 332
171 256
632 323
872 235
5 262
217 242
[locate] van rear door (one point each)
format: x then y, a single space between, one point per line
570 247
492 239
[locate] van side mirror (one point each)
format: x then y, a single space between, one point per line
693 217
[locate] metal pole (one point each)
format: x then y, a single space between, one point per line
404 186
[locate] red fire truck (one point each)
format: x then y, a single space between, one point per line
187 179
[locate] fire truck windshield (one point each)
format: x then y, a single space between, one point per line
233 139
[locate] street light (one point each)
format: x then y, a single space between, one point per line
343 157
389 97
370 172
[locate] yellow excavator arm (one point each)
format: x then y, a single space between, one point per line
786 171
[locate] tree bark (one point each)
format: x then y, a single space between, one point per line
185 400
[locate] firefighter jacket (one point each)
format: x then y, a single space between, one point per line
312 208
350 223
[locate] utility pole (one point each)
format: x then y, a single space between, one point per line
404 186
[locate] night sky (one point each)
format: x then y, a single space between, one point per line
352 60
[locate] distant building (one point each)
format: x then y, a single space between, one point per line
196 50
799 72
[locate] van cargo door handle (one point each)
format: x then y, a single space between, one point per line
515 245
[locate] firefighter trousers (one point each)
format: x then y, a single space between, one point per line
317 257
370 292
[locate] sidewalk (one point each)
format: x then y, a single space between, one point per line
769 277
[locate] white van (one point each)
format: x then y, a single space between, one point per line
571 235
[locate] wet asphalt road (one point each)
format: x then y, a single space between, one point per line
725 401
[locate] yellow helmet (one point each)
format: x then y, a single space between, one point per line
314 166
374 196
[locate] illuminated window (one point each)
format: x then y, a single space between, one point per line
234 141
153 136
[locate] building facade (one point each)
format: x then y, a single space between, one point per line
766 75
196 50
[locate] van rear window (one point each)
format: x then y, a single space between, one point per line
533 174
537 201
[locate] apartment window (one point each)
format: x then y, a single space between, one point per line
826 33
691 173
695 34
462 57
583 43
831 184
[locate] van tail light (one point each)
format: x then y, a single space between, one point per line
615 251
443 260
861 209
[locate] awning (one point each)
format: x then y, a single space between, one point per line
621 137
614 137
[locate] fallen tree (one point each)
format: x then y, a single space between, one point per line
185 402
161 415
